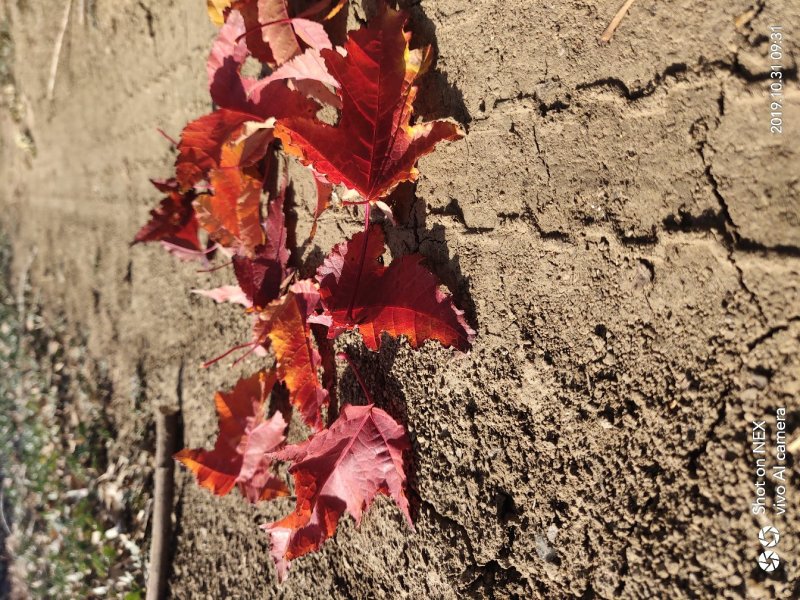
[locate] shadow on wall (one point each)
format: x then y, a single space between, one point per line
437 99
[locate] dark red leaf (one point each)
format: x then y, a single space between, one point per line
173 221
358 292
374 147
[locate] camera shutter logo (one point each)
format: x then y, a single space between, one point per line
769 561
769 536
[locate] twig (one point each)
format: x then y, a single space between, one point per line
3 513
612 27
166 445
51 83
22 284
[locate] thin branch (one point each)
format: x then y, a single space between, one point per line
3 514
612 27
345 356
51 83
163 496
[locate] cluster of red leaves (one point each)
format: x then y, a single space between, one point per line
229 188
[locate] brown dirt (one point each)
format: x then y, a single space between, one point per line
619 223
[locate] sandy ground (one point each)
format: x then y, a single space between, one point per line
619 223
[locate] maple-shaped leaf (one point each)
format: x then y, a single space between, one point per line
284 323
261 275
173 221
336 470
374 146
357 291
232 215
246 436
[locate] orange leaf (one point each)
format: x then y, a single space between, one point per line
284 323
374 147
232 216
245 437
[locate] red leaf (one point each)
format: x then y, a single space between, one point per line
173 221
374 147
245 437
340 469
357 291
260 277
284 323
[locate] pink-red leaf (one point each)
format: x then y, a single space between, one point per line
226 293
246 436
257 98
312 33
303 69
340 469
228 54
374 147
357 291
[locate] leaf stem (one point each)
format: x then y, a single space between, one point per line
346 356
250 345
217 268
168 137
261 26
361 260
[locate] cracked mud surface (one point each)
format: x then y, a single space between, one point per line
618 223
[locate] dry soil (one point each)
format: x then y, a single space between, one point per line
619 223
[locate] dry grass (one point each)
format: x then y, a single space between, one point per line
74 518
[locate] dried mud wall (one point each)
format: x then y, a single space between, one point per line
619 224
